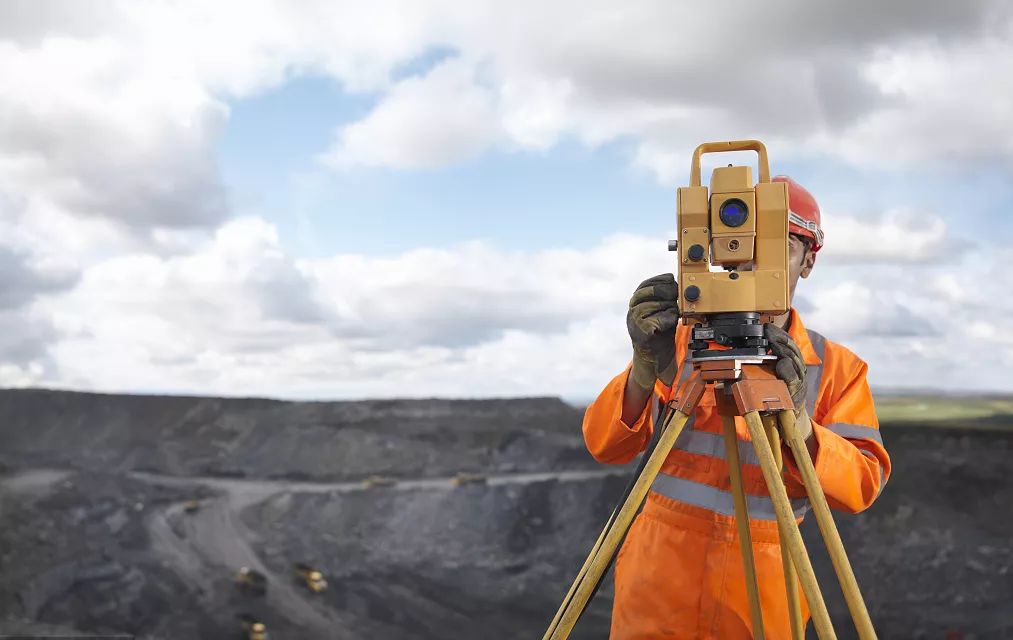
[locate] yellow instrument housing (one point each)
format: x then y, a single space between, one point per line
760 242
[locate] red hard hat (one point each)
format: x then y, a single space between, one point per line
803 212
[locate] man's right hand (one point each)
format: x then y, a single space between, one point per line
651 321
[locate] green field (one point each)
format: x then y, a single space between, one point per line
985 412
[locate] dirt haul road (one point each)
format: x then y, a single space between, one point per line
213 541
202 548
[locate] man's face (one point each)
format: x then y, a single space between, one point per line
800 261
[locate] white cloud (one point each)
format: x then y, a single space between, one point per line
90 127
898 236
473 293
440 118
240 317
113 113
946 105
852 309
22 278
652 73
25 338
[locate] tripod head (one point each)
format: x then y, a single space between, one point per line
741 333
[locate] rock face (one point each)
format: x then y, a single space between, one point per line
132 514
275 439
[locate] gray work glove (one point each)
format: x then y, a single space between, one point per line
651 321
791 369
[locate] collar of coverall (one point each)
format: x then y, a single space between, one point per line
801 337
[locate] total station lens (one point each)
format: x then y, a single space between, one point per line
733 212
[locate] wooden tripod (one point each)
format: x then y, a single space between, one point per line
745 387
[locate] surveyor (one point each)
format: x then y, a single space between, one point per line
679 573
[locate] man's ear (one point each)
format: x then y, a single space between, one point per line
807 263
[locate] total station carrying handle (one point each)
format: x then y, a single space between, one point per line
731 145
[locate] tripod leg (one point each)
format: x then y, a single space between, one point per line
742 522
599 559
839 558
789 528
790 577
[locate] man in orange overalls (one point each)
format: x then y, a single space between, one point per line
679 574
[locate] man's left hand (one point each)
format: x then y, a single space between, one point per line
791 369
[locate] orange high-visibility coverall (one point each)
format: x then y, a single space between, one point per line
679 573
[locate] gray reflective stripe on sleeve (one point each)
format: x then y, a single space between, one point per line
882 474
856 431
814 372
720 501
861 432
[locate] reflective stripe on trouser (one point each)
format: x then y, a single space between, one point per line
710 444
710 497
718 500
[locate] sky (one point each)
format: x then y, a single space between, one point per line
330 200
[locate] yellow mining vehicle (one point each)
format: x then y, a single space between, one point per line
314 580
254 629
